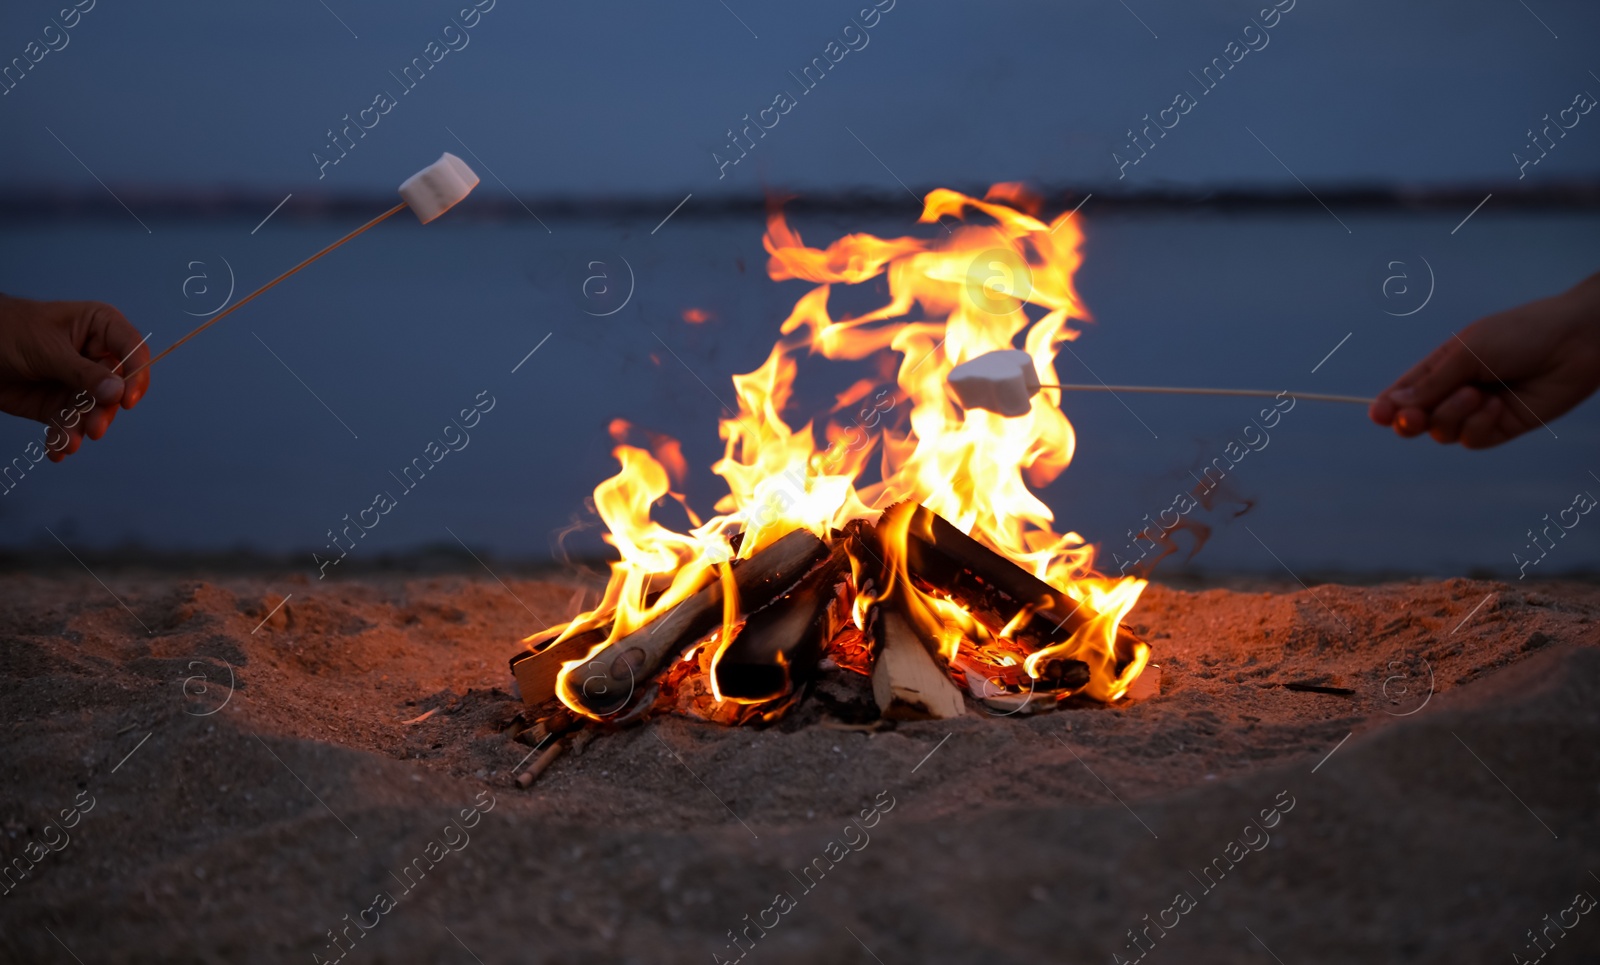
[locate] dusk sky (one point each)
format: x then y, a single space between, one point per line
605 97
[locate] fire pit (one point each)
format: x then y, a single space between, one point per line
904 543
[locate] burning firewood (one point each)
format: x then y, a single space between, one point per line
605 683
536 668
561 722
995 589
908 683
948 611
779 644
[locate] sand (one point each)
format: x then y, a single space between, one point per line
1434 807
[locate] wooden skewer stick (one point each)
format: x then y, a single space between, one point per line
1005 382
252 296
1169 390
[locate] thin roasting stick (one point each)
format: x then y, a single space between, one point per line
1006 381
1168 390
251 297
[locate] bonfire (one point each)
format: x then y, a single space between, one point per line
897 534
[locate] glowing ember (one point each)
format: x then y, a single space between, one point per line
1002 279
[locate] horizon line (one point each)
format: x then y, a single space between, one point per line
238 202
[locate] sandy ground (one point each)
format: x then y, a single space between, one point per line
1434 808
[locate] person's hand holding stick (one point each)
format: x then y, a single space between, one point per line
1502 375
71 364
62 364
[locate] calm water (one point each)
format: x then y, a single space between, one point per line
379 345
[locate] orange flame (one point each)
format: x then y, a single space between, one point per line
1000 276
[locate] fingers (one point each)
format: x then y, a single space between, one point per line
71 421
118 336
63 364
98 421
60 443
1431 381
81 374
1416 372
1396 405
1489 426
1411 422
1436 396
68 416
1446 420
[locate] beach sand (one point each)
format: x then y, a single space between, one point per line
1434 808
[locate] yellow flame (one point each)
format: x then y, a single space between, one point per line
1000 276
730 621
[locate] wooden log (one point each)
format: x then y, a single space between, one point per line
536 668
539 766
605 684
907 682
779 644
943 556
562 721
1056 676
992 587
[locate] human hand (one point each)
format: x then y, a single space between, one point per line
1502 375
60 365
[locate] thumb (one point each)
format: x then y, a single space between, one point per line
85 375
1450 367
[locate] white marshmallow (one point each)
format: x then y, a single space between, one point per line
438 187
1003 382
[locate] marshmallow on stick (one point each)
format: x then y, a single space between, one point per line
430 193
1005 382
438 187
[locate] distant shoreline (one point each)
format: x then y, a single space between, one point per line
227 203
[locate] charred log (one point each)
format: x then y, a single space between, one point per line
537 667
606 682
996 590
779 645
